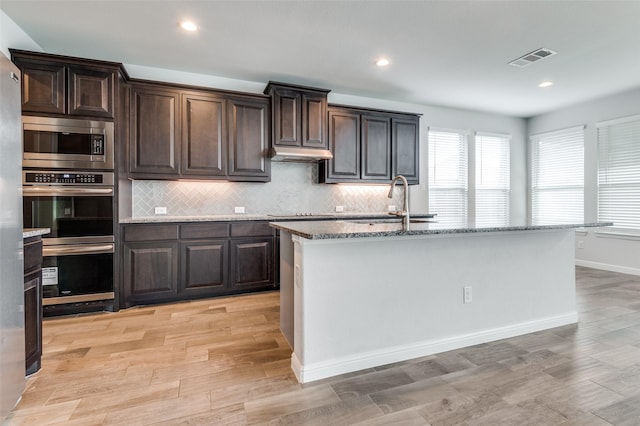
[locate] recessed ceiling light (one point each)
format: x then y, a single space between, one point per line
382 62
546 84
188 26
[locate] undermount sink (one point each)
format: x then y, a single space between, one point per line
390 220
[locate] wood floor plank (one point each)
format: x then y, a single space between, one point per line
274 407
160 410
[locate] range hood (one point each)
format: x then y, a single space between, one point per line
296 154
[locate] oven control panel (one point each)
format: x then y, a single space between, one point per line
67 178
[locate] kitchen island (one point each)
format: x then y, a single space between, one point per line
359 294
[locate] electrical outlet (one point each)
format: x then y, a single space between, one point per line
339 209
391 208
580 244
160 210
238 209
466 297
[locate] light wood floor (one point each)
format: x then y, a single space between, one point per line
224 362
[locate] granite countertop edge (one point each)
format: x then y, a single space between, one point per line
264 217
35 232
343 230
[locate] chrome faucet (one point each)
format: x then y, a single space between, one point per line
405 203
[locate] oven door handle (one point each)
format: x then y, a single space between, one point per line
52 191
77 249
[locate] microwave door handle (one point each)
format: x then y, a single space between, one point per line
36 127
50 190
79 249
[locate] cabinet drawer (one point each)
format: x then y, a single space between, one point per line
204 230
150 232
32 255
251 229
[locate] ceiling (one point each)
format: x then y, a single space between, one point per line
446 53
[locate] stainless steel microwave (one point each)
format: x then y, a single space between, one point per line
66 143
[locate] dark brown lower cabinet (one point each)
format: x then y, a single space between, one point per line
151 271
252 261
171 262
204 267
33 303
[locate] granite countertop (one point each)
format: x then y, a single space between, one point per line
363 229
268 217
35 232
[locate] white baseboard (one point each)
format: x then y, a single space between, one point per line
608 267
336 366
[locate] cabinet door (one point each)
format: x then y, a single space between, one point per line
286 117
155 132
91 92
376 147
344 143
33 321
151 272
406 148
204 135
314 120
252 263
249 131
204 267
43 88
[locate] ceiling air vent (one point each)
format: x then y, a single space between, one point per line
532 57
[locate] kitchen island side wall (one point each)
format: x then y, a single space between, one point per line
388 299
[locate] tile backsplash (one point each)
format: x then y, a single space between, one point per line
292 190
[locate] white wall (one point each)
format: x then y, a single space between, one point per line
12 36
600 251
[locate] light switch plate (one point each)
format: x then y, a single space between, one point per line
160 210
238 209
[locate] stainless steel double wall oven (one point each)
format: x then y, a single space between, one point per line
68 186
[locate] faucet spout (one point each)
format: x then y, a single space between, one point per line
405 203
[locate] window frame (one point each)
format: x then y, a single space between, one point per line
504 186
464 139
556 137
633 144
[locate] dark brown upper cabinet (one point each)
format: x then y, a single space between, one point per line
299 115
249 129
344 143
60 85
371 146
155 130
177 133
405 137
376 147
204 135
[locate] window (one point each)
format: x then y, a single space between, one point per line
492 180
557 181
448 176
619 173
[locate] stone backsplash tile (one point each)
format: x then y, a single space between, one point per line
292 190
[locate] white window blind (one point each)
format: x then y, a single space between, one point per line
558 177
492 180
619 173
448 176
